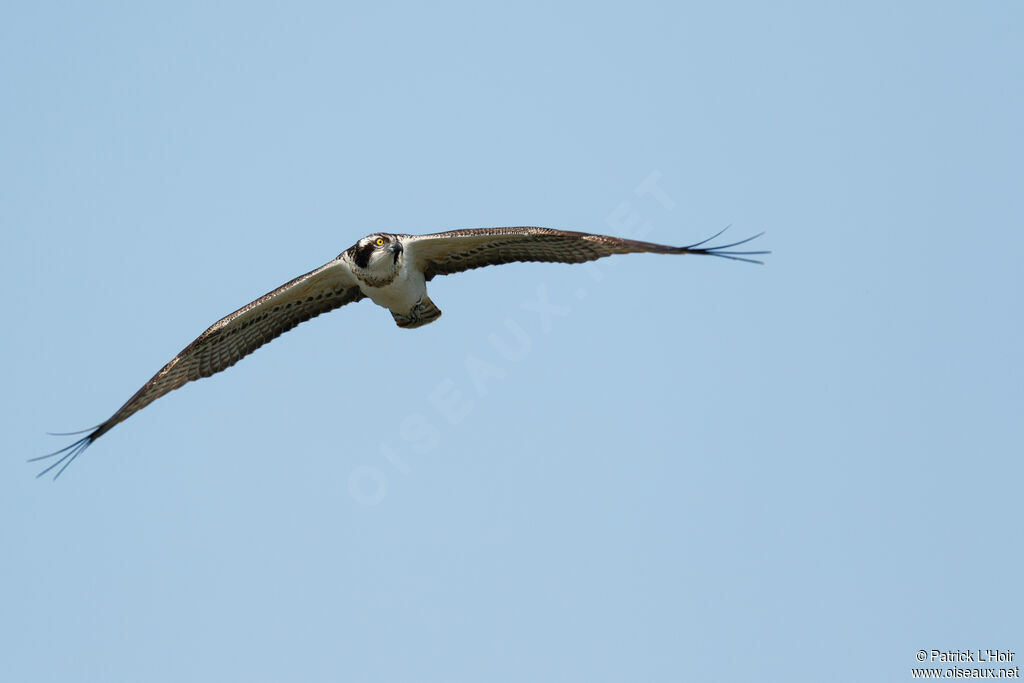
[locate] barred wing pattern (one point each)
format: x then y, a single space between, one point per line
335 284
229 340
445 253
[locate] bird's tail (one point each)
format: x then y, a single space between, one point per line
423 313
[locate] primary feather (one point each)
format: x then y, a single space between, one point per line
392 270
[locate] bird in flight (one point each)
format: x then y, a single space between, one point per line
390 270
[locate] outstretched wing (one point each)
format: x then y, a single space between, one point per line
444 253
229 340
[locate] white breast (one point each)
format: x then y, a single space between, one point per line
402 293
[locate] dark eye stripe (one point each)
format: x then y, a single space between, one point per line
362 255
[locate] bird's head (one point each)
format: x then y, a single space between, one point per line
377 255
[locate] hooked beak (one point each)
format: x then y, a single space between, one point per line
396 248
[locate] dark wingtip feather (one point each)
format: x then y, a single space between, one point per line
721 250
697 244
80 431
67 454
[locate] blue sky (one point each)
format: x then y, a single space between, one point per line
649 469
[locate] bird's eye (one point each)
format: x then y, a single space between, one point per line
379 241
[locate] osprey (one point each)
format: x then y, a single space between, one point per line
390 270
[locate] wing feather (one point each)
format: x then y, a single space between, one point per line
333 285
232 338
455 251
